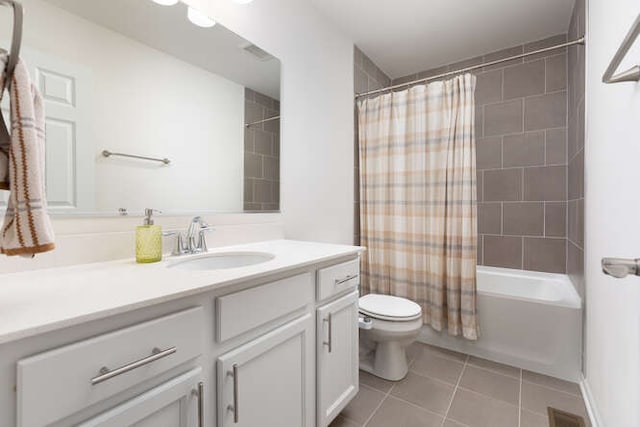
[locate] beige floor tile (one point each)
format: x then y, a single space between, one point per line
426 392
431 364
494 367
414 350
341 421
530 419
551 382
491 384
397 413
536 398
363 405
477 410
375 382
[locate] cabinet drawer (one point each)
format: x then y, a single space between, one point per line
338 278
242 311
61 382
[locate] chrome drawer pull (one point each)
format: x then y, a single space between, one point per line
234 407
346 279
107 374
329 343
200 393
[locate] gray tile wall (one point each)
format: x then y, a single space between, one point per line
261 153
575 150
521 133
367 76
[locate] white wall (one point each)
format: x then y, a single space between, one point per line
316 166
143 101
612 210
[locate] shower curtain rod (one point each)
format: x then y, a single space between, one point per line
581 40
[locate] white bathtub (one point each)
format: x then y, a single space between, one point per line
527 319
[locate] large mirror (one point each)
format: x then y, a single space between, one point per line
197 104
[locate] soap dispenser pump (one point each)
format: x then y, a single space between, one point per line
148 239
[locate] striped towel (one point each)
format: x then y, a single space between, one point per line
27 227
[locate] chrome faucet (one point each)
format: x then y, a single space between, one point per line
195 241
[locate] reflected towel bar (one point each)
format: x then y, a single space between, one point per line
262 121
107 153
633 73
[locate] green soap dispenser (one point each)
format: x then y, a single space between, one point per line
148 239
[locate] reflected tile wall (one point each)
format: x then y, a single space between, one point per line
261 153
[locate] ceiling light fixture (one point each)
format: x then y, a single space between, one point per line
200 19
166 2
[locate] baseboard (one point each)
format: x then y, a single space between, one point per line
589 402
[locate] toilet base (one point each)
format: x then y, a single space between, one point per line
388 360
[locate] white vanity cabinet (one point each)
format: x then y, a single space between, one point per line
177 403
337 359
268 381
276 349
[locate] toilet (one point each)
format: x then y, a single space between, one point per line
388 325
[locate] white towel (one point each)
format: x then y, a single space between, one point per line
27 227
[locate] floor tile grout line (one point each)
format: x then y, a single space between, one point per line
386 396
553 388
455 389
520 402
471 365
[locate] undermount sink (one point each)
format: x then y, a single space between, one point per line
222 260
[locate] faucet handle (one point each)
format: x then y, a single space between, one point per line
179 248
202 241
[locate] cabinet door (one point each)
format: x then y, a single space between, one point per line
171 404
268 382
337 356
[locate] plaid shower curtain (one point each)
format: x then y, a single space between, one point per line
418 200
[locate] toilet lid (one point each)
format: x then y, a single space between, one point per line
389 307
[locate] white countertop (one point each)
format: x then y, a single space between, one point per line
40 301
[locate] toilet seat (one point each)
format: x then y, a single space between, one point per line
390 308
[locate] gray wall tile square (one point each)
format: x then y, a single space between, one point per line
490 218
524 79
555 219
501 251
524 219
547 183
576 176
524 149
556 73
542 254
479 186
503 185
545 111
503 118
489 153
488 87
556 146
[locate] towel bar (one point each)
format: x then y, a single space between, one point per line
107 153
633 73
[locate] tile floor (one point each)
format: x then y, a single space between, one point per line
448 389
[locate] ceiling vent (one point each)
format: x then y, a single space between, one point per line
258 53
